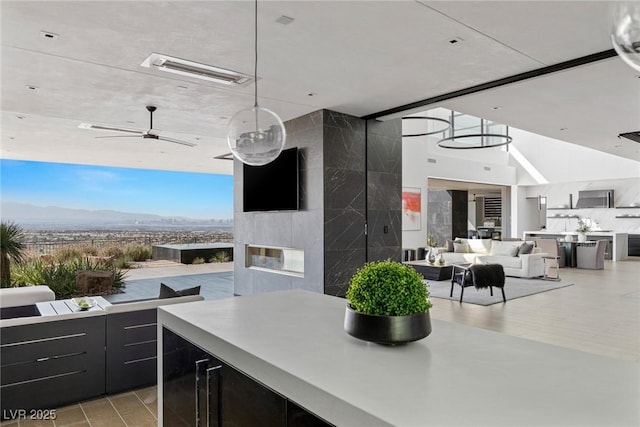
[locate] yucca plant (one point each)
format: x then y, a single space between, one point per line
11 250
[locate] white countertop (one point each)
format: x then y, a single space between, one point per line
294 342
590 233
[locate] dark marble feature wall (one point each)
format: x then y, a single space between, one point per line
439 215
459 213
384 189
344 199
447 214
343 185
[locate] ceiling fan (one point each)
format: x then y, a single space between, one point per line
151 133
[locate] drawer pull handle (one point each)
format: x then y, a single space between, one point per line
200 366
214 373
42 359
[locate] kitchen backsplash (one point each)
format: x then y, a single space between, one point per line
626 193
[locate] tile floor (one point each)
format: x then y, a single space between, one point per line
212 286
131 409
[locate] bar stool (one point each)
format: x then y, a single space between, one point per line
550 248
555 266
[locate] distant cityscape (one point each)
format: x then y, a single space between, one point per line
50 228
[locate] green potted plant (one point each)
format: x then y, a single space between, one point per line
388 303
584 226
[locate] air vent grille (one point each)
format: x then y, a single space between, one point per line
194 69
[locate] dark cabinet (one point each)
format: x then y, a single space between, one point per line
200 390
51 364
300 417
634 245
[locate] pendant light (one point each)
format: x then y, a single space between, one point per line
471 141
413 126
256 135
625 32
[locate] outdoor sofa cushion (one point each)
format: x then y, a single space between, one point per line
25 295
167 292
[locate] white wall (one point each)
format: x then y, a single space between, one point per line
422 159
559 161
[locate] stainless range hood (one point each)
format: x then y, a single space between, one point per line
595 199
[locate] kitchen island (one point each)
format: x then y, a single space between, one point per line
293 342
618 241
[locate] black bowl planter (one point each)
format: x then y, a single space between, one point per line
388 330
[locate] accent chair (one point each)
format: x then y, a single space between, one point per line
591 257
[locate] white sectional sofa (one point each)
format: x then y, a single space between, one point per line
487 251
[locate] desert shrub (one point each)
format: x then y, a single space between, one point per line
137 252
88 250
121 262
61 276
111 251
220 256
67 254
198 260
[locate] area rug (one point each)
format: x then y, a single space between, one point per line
513 288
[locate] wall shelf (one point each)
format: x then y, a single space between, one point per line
627 207
627 216
559 209
563 217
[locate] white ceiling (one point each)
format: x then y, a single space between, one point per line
356 57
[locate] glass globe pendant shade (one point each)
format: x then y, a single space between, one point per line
256 136
625 32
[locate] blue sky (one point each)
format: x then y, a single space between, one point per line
194 195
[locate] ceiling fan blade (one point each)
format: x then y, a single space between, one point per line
150 133
177 141
109 128
119 136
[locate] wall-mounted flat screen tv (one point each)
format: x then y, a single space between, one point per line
274 186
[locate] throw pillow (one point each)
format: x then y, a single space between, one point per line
461 248
449 245
525 249
167 292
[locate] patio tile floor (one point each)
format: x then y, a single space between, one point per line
130 409
212 286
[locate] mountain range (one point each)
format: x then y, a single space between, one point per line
29 214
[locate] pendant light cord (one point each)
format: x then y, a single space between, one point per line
255 68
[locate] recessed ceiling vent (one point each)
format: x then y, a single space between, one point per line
634 136
196 70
